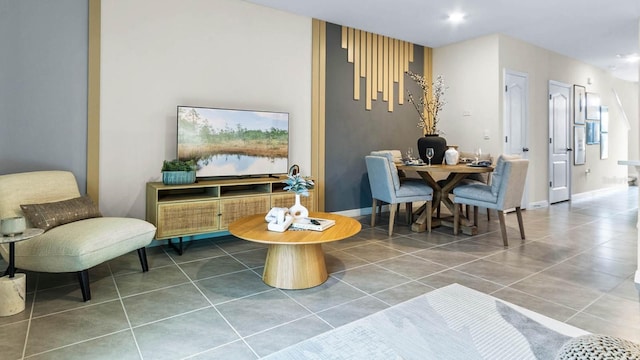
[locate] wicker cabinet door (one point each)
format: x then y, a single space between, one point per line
236 208
187 218
287 200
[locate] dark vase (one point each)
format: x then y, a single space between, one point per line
439 145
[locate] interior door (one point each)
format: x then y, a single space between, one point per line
559 142
515 118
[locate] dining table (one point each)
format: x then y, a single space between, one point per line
453 175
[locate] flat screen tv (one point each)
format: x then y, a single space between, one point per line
227 142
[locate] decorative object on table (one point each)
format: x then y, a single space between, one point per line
315 224
579 145
451 156
278 219
13 226
430 103
593 106
579 104
437 143
300 186
178 172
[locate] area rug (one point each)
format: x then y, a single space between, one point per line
453 322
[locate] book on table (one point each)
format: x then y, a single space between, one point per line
315 224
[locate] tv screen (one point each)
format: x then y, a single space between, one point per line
227 142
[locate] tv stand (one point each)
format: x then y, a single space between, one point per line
209 206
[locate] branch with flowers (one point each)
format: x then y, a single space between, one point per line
430 103
298 184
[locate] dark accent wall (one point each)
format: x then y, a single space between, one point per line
43 86
353 132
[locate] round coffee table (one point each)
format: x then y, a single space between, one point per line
295 259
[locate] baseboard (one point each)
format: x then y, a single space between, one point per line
597 192
538 204
367 210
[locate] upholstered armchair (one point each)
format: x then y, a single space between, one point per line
76 236
386 186
505 192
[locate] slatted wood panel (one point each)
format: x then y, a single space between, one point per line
381 61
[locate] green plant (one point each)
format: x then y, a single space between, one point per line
179 165
298 184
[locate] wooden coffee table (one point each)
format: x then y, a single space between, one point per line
295 259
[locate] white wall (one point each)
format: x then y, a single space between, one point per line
222 53
473 71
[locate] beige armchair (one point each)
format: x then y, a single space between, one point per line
77 237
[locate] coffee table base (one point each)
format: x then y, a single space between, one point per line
291 266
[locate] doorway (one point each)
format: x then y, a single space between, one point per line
559 142
516 100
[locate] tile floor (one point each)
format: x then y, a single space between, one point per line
576 266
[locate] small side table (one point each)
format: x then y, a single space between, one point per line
12 285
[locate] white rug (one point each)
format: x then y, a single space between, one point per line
453 322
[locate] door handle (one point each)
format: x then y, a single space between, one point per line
569 149
525 149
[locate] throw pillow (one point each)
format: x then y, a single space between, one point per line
46 216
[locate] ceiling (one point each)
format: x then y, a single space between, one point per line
592 31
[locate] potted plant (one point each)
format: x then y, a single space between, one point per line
300 186
177 172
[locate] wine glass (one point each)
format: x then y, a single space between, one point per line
478 153
410 154
429 154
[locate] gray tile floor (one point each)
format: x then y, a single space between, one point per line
576 266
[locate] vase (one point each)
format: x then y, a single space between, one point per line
451 156
297 210
439 145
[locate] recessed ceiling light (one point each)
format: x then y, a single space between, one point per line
456 17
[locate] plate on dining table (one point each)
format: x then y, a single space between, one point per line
478 165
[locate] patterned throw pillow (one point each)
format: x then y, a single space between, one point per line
46 216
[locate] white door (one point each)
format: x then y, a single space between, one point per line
515 118
559 142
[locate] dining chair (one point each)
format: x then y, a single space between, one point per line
505 192
386 186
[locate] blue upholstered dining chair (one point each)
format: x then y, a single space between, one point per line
386 186
505 192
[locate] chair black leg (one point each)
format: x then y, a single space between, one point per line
83 276
142 254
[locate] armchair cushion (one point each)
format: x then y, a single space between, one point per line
475 191
81 244
46 216
388 154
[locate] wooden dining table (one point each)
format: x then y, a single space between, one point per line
454 175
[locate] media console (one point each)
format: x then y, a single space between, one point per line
209 206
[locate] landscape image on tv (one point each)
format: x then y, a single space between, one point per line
227 142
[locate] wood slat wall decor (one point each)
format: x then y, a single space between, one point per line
381 61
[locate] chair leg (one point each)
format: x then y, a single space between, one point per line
488 215
83 276
373 213
409 210
456 219
475 216
392 217
503 228
429 214
142 255
438 211
520 223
